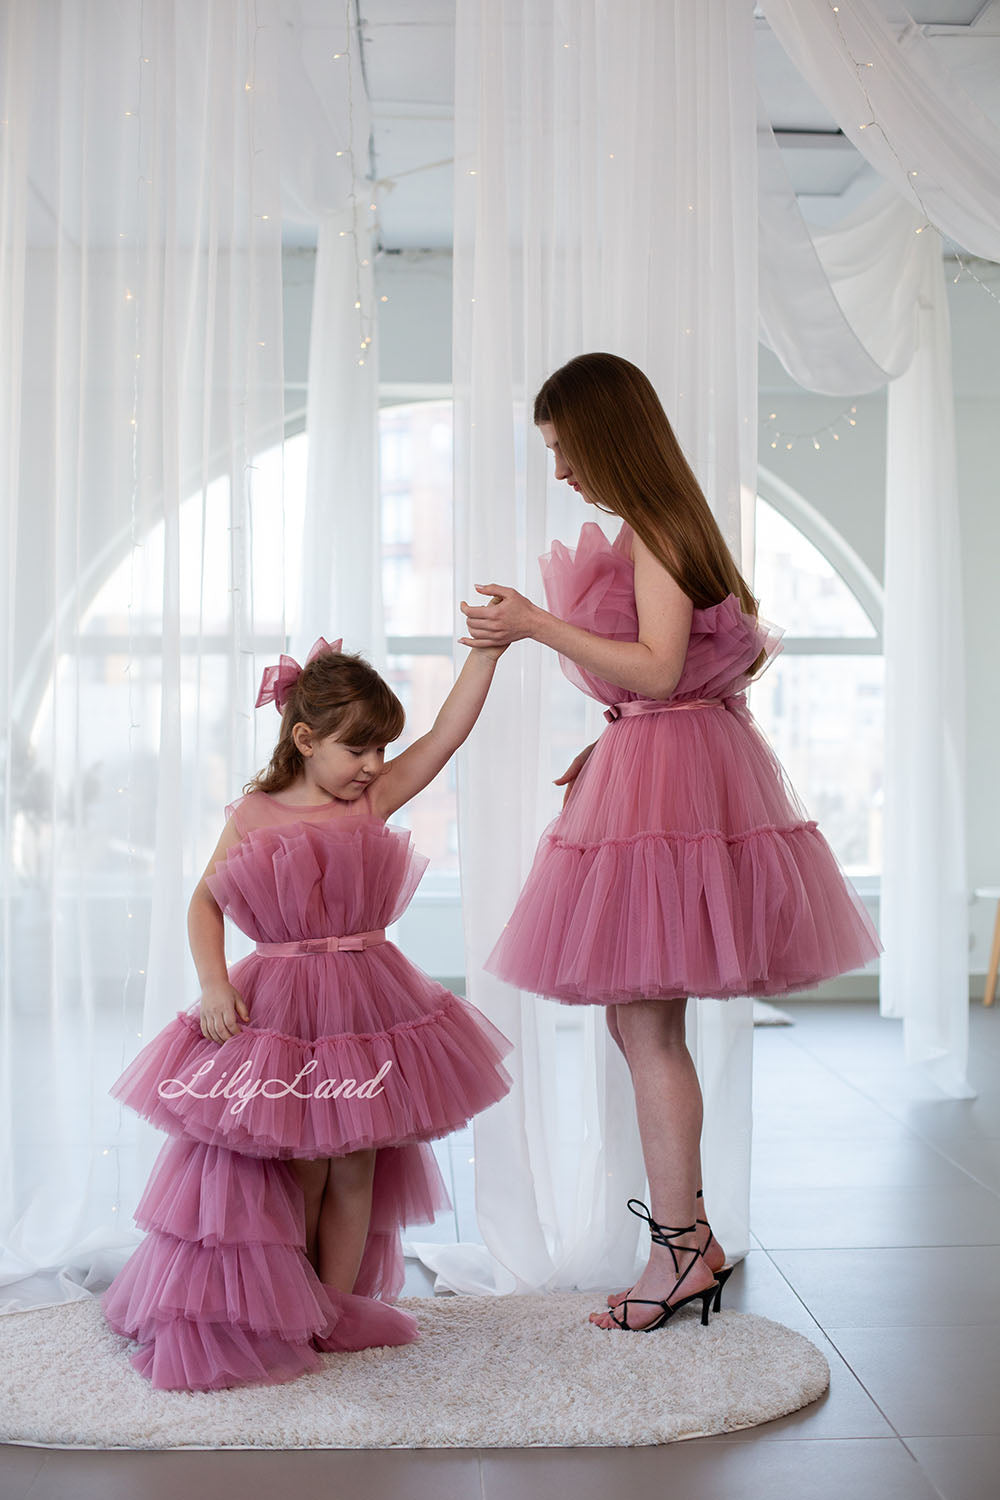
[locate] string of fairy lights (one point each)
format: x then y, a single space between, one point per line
863 68
360 227
778 437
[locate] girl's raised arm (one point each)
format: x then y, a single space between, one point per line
420 762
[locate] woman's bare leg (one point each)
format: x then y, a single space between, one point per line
715 1256
344 1217
611 1016
311 1174
669 1111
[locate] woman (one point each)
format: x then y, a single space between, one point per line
682 862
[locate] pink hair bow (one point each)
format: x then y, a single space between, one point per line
277 682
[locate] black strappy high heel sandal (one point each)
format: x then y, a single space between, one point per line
722 1275
660 1234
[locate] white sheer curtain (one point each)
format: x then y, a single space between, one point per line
325 130
924 907
154 566
885 305
605 199
342 552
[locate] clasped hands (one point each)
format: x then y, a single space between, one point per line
508 617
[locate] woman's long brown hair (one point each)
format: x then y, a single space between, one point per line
615 436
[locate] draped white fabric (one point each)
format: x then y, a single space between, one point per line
154 567
605 199
924 908
903 108
836 309
840 309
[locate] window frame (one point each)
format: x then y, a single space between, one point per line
856 576
854 572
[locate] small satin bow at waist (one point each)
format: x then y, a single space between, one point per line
351 944
660 706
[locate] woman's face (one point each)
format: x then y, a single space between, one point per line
563 469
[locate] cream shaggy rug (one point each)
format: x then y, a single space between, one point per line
487 1372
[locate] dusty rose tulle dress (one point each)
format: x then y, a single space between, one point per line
683 862
220 1292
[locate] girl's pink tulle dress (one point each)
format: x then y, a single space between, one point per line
683 863
220 1292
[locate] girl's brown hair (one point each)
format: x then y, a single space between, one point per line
615 436
339 694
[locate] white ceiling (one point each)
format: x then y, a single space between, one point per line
407 48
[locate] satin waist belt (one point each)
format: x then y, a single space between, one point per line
352 944
656 706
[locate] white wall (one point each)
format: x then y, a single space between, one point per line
844 480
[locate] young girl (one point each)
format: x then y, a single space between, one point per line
301 1091
682 862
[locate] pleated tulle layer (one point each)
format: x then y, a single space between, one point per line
225 1295
299 879
183 1356
759 913
344 1050
414 1081
263 1288
181 1353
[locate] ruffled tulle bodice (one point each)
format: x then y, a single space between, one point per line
593 586
317 879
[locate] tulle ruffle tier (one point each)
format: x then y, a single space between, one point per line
682 864
275 1091
220 1292
662 915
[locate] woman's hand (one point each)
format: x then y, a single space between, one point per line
568 777
220 1006
509 617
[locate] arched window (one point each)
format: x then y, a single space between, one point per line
821 701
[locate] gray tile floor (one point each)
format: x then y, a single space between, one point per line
876 1219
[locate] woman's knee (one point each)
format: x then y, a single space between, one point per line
611 1016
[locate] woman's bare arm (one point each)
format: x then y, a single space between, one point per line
651 665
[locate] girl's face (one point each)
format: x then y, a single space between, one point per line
563 468
337 769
